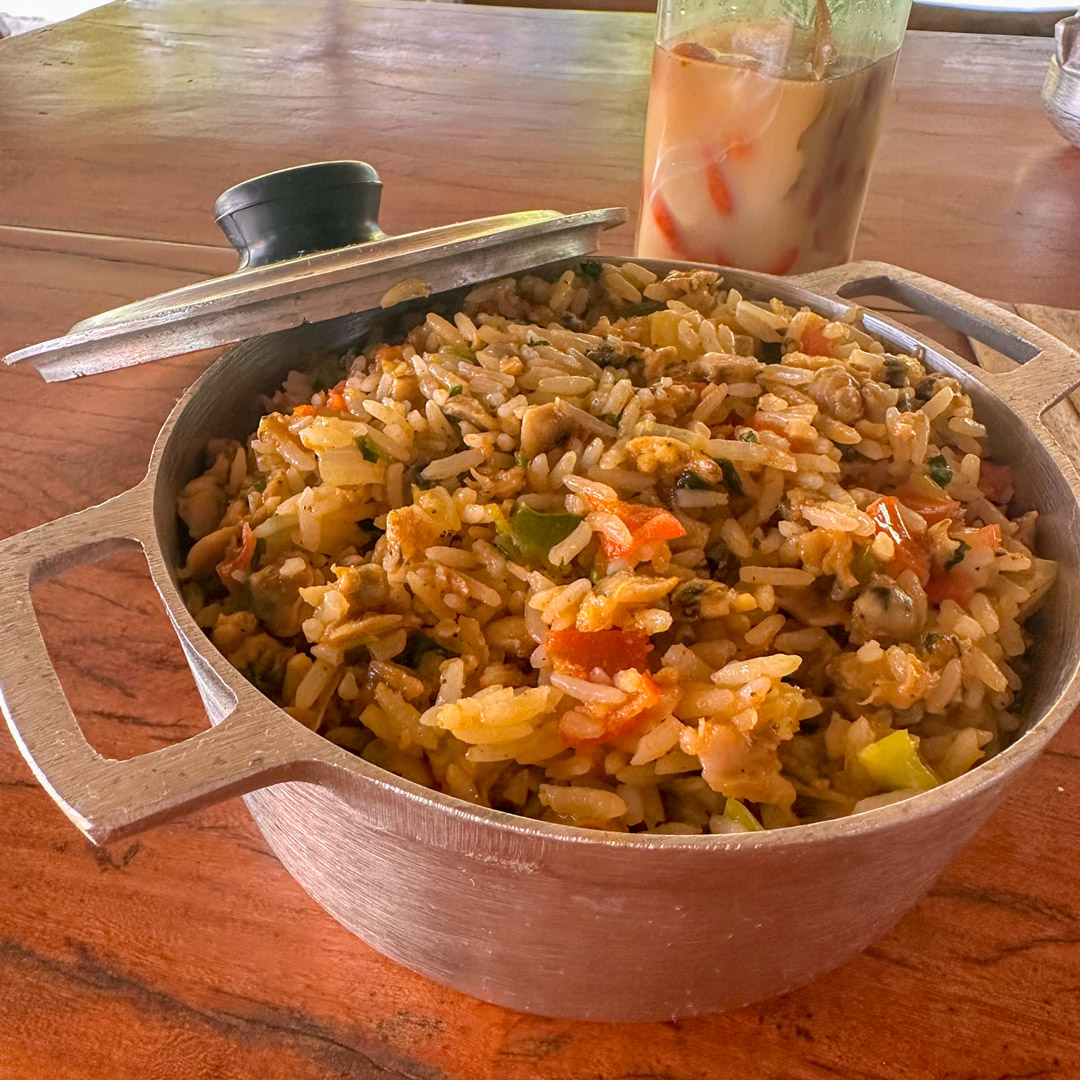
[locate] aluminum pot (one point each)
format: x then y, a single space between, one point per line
536 916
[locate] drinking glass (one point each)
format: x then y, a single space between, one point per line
763 120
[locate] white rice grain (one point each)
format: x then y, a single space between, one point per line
775 575
740 672
454 465
567 550
591 490
938 403
570 385
582 803
762 634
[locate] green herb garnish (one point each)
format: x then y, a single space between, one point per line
535 343
258 482
690 481
958 555
366 445
731 477
748 436
939 471
647 307
454 391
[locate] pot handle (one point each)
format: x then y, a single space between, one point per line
1049 370
107 798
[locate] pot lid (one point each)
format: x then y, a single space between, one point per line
310 249
1067 44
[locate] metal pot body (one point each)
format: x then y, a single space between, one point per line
531 915
603 931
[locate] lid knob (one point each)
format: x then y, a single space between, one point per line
318 207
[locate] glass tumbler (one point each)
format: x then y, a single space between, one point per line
763 120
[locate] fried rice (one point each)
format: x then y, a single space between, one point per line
626 553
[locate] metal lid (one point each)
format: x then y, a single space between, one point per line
311 249
1067 43
1061 90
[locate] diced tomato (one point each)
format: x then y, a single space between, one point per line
652 519
739 149
241 561
988 536
785 262
996 482
304 410
933 508
630 718
814 342
955 585
910 554
718 188
610 650
647 525
336 401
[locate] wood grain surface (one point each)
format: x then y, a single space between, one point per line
190 953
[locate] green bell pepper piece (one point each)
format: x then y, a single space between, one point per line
894 763
535 534
735 811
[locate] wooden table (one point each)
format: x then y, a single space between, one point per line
190 953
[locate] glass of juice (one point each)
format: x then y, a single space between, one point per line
763 120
